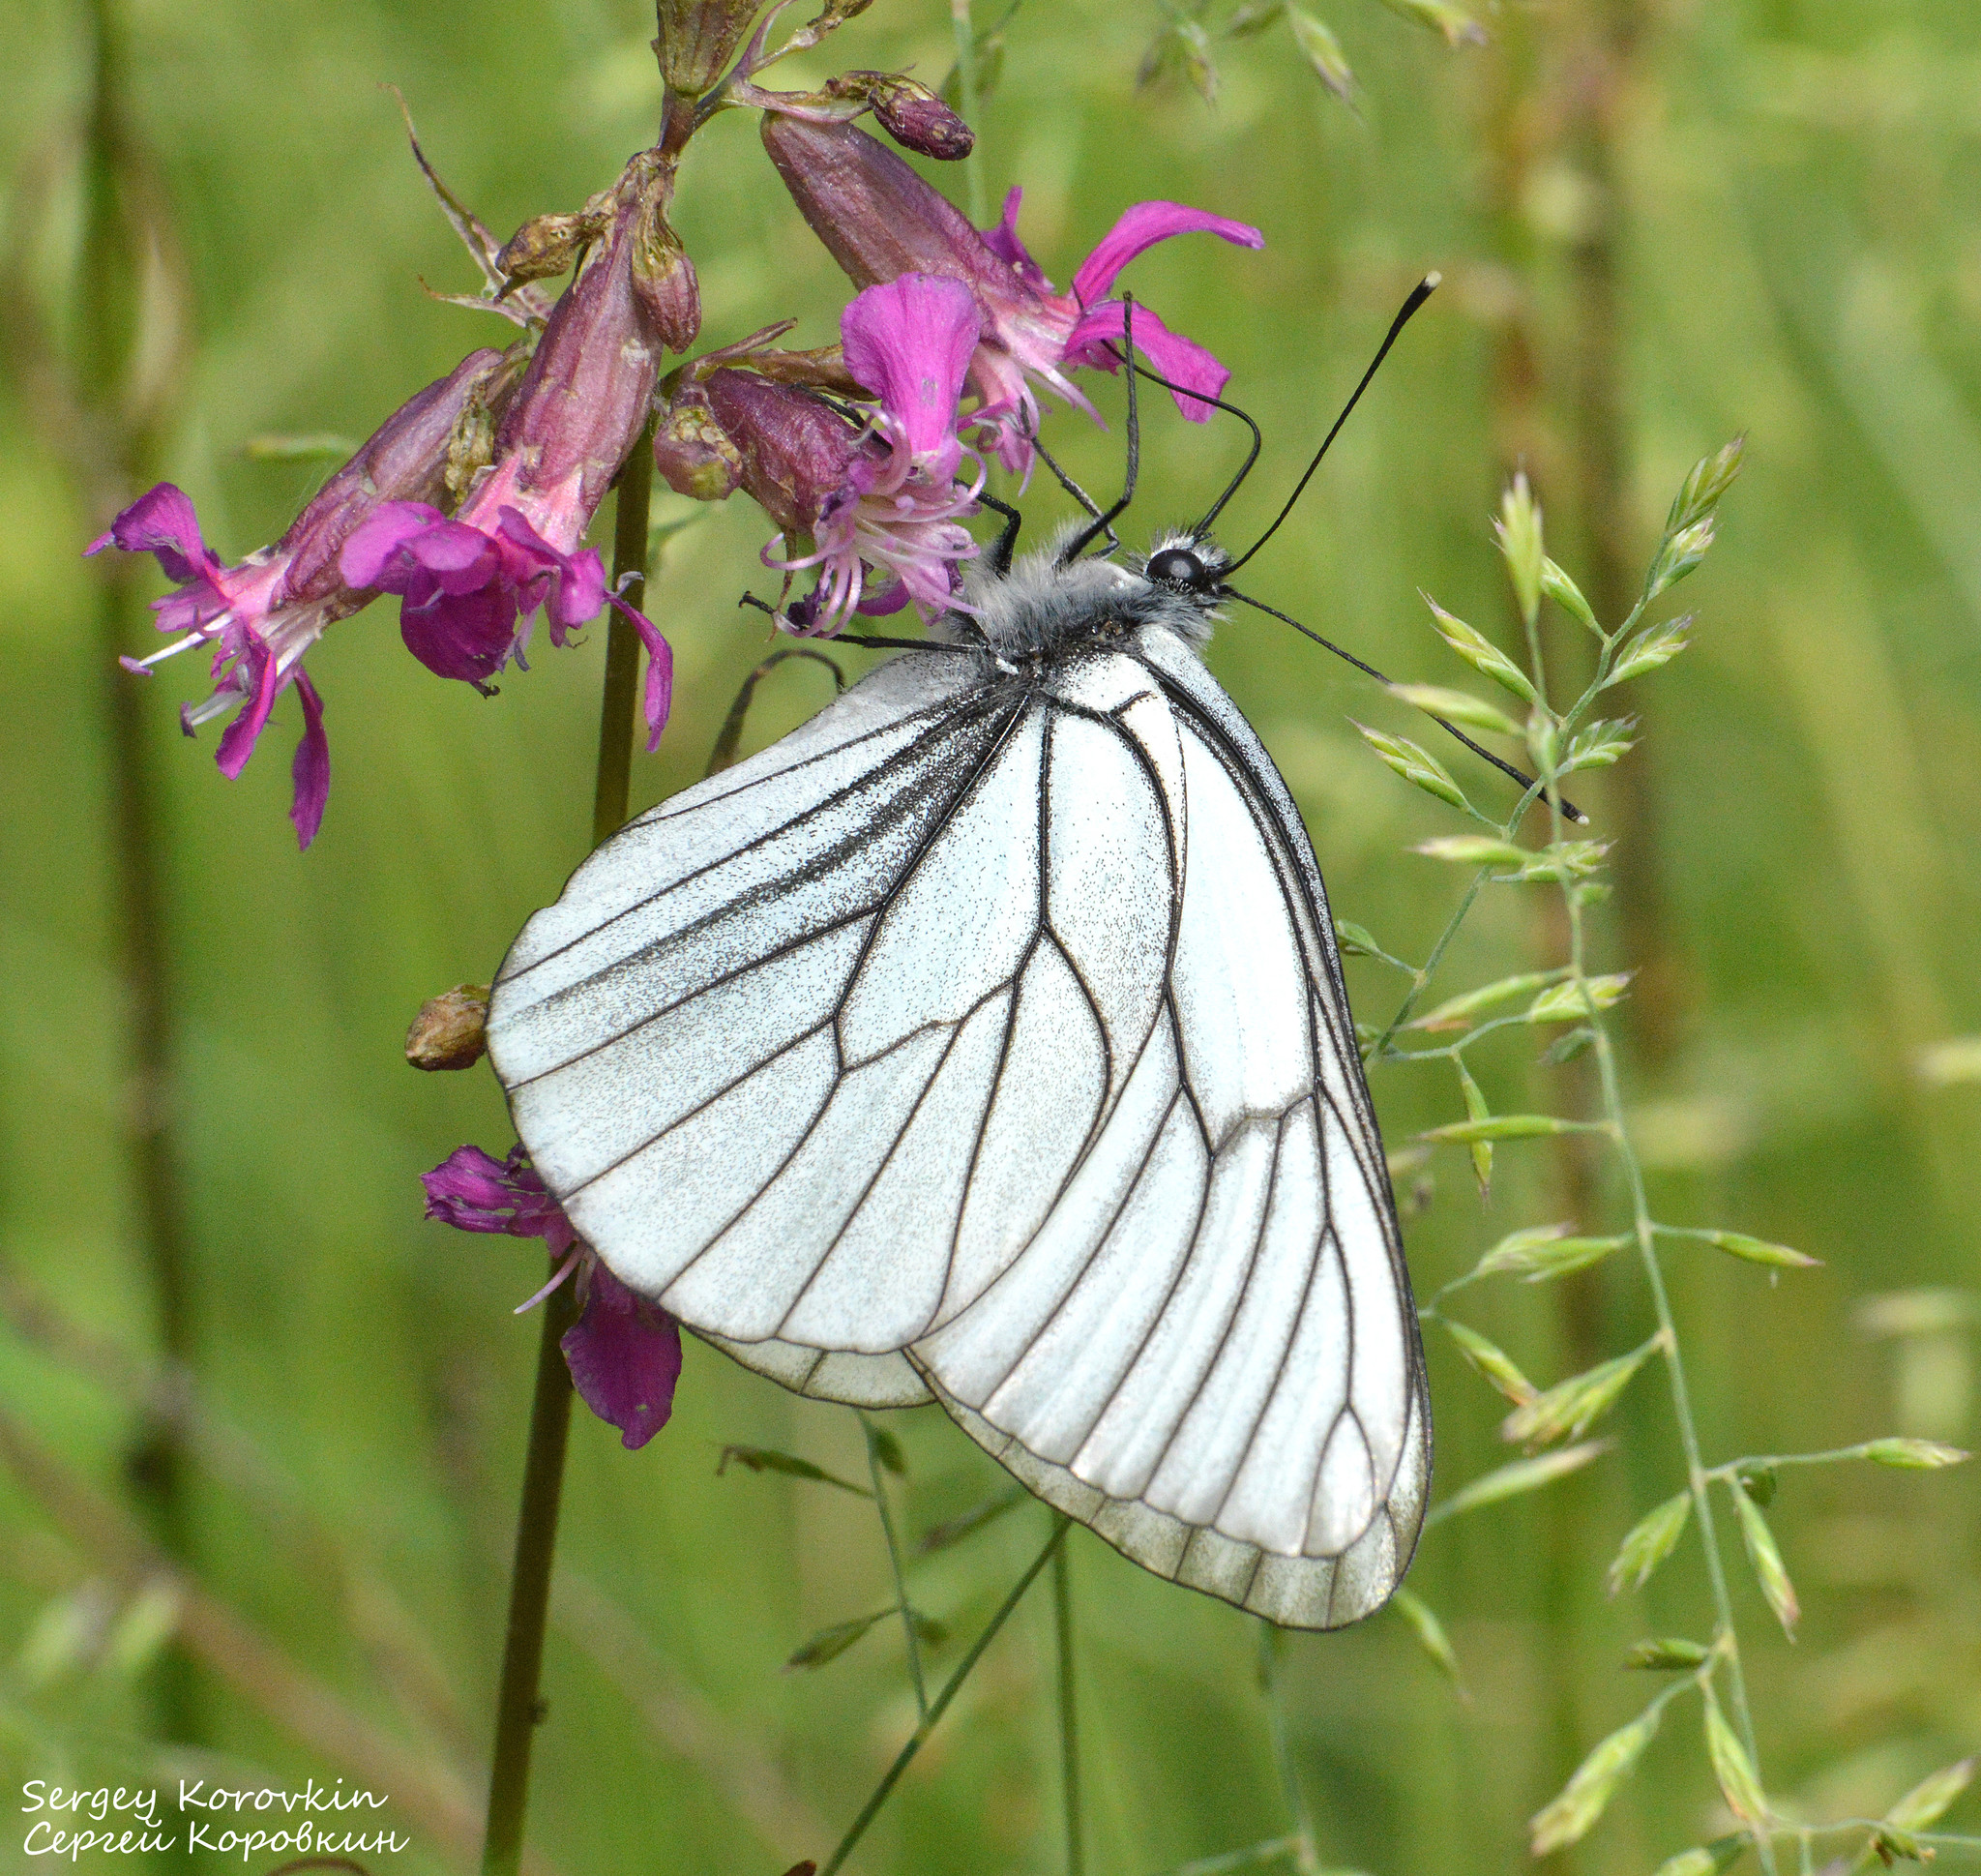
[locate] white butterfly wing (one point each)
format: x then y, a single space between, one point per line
996 1038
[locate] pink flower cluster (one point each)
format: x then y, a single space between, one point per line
471 503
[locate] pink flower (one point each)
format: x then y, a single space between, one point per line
1039 332
879 220
878 511
471 586
624 1353
891 533
264 615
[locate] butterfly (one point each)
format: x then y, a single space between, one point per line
985 1040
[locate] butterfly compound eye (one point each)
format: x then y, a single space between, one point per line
1175 567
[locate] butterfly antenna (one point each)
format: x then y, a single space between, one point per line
1421 293
1103 523
1065 481
1526 780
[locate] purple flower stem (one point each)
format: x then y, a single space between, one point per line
517 1704
940 1703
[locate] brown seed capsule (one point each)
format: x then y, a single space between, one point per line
450 1029
547 245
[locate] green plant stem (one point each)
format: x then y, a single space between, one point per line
1729 1473
1069 1716
111 329
617 707
893 1564
1697 1478
1423 977
966 95
1249 1858
869 1810
518 1707
1306 1853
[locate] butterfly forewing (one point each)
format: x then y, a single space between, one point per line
988 1033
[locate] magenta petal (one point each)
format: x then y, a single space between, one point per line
659 695
466 635
624 1353
909 341
1003 242
467 1187
473 1192
161 522
536 554
877 605
262 681
455 557
1140 229
376 540
579 594
197 604
310 772
1167 354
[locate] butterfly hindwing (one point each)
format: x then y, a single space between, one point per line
987 1033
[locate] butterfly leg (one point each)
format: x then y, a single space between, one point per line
998 559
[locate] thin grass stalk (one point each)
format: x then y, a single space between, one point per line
1681 1399
1306 1853
893 1564
967 99
518 1703
1421 982
882 1792
1646 1232
111 316
1069 1712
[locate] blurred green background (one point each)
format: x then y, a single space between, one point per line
1660 221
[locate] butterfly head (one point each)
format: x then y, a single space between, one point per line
1190 566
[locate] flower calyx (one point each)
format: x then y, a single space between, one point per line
698 39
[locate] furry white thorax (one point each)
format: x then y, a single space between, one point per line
1041 610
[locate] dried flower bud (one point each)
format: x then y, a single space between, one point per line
697 39
795 447
662 276
912 114
450 1029
547 245
694 455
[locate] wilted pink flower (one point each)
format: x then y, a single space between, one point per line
881 506
879 220
624 1353
470 586
262 615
